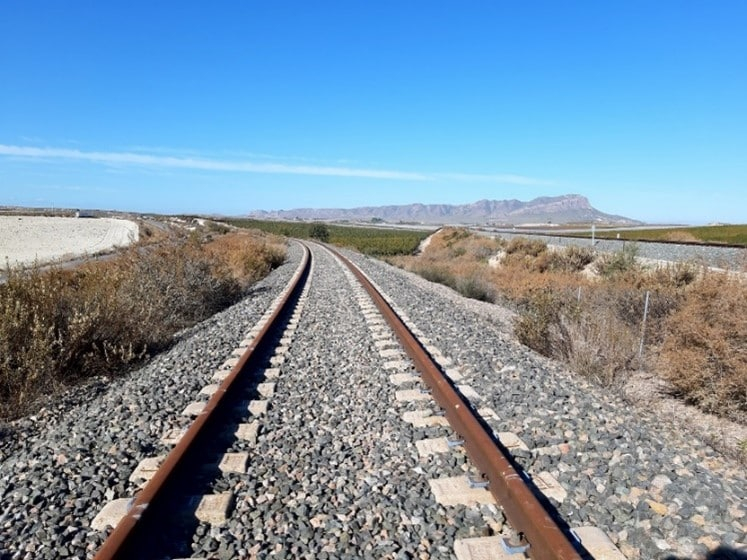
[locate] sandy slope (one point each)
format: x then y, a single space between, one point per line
25 239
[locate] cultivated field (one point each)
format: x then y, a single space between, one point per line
28 239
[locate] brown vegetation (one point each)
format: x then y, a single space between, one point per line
704 352
588 310
680 236
59 326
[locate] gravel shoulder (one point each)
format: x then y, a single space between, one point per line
639 472
728 258
28 239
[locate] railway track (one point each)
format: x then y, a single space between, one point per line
141 530
715 255
342 435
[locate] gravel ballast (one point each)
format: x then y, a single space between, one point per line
335 472
658 491
60 466
732 258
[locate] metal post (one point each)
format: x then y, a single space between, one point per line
643 326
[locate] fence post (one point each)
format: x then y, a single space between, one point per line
643 326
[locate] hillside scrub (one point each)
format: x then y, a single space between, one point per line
61 326
587 310
704 350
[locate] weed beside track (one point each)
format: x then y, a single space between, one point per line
590 311
60 326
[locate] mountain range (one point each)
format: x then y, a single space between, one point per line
570 208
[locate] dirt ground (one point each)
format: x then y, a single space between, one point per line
26 239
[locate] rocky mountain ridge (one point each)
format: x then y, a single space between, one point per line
571 208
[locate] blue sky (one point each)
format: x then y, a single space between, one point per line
227 107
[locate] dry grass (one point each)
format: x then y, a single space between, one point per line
588 310
680 236
704 352
459 260
248 257
59 326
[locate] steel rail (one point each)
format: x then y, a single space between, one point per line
546 539
127 537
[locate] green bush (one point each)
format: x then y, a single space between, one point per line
612 264
320 232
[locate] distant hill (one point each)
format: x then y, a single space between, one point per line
571 208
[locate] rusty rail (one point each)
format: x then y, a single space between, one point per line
126 541
546 539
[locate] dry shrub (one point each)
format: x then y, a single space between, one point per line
600 337
620 262
175 286
437 274
458 243
476 287
458 259
529 254
59 326
597 327
539 313
473 284
704 354
517 281
248 257
569 259
27 333
675 275
598 345
525 247
587 334
696 326
535 256
447 237
680 236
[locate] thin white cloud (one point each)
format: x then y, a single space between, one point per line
205 164
130 158
510 179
